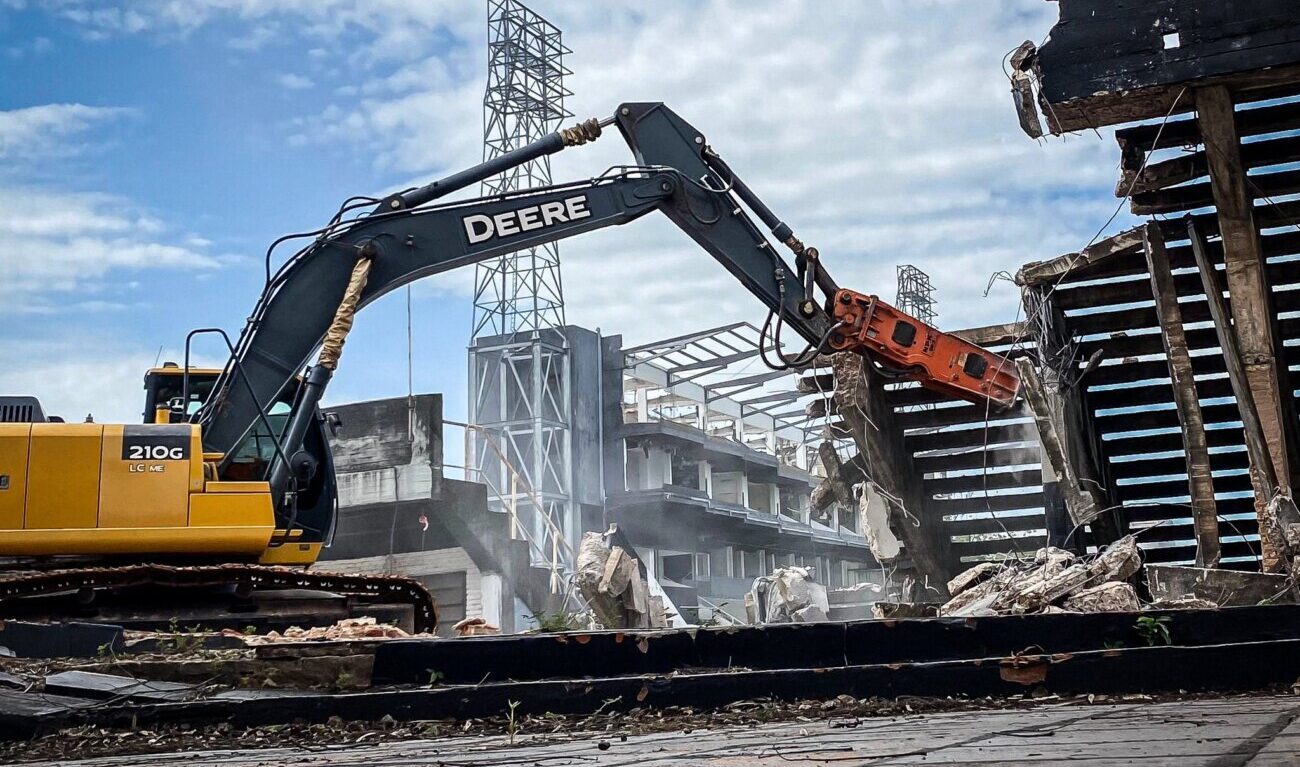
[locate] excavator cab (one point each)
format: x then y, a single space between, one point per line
308 523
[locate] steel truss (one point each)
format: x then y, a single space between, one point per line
519 363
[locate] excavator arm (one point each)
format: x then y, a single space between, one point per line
311 299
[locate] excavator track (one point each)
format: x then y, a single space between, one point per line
244 579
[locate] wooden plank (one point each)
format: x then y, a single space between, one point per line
1018 523
1189 406
1021 546
966 413
1125 446
1277 244
1137 141
89 684
1121 423
1175 488
1153 394
994 335
1161 467
1252 314
1007 502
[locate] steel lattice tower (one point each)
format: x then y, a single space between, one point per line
915 293
524 101
519 389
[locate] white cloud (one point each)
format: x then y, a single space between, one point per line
63 248
32 132
66 245
394 29
295 82
882 131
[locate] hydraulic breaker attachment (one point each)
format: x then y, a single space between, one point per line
906 347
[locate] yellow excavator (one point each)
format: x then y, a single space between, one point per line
228 486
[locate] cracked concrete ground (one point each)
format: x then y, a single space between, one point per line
1236 732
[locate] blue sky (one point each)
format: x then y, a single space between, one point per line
150 150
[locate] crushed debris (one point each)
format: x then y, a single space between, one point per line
348 628
473 627
1055 579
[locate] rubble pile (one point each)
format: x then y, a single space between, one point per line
611 583
348 628
788 595
1054 581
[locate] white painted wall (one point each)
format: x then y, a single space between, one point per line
418 563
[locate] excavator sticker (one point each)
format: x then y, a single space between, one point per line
156 443
481 228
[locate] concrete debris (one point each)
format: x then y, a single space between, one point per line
1223 588
1183 603
474 627
1055 578
1045 590
1279 524
1053 560
972 577
788 595
348 628
611 583
897 610
1108 597
873 513
1119 561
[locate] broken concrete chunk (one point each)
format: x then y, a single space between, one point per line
1183 603
788 595
971 577
873 511
611 583
1048 590
1053 560
1118 561
1225 588
976 597
1108 597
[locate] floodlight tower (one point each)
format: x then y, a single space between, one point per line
519 389
915 293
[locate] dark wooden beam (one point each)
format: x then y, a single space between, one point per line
1189 406
1252 310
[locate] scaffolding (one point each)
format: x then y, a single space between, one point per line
519 444
915 294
